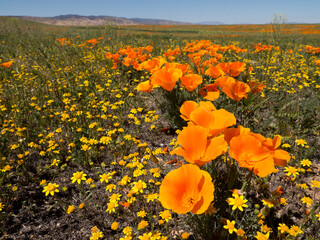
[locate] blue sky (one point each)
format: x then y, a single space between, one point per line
226 11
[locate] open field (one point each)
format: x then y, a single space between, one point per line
159 132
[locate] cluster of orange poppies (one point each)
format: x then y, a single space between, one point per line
63 41
310 49
166 75
130 56
204 59
207 136
260 47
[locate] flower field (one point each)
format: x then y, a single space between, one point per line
159 132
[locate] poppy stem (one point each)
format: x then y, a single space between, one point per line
243 186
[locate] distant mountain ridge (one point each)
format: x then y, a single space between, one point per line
79 20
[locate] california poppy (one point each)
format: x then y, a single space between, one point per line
256 86
191 81
210 92
152 65
186 189
214 121
197 148
6 64
145 86
166 77
205 114
214 72
235 68
235 90
233 132
280 157
186 109
249 152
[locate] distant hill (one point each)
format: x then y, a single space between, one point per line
149 21
211 23
78 20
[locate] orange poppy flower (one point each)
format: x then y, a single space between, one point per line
210 92
166 77
183 67
186 109
249 152
233 132
235 68
280 157
234 89
191 81
215 121
214 72
145 86
205 114
186 189
197 148
152 65
237 90
6 64
256 86
189 106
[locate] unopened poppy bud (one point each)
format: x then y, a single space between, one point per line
265 211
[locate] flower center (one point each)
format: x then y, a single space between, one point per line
78 175
189 199
238 202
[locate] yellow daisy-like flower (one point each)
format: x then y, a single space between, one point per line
165 215
96 234
301 142
78 177
261 236
127 230
315 184
152 197
283 228
51 188
230 226
237 202
305 162
291 171
142 214
268 203
112 206
286 145
302 185
1 206
318 216
142 224
111 187
146 236
294 230
70 209
283 201
139 186
265 229
114 226
307 201
105 177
